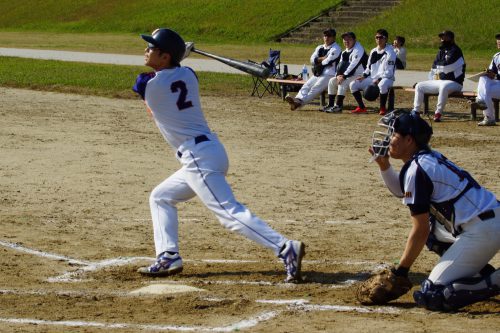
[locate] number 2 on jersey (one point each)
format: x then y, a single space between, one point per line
181 101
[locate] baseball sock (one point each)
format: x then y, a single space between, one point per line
340 100
331 100
359 99
383 100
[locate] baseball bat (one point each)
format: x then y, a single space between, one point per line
247 67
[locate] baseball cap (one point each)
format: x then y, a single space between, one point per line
447 33
412 124
167 40
349 34
330 32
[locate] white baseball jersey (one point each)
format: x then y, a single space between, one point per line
381 63
169 95
332 57
351 59
429 179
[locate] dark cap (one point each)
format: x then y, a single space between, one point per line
349 34
167 40
330 32
497 36
412 124
383 32
447 33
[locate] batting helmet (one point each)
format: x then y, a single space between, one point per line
168 41
371 92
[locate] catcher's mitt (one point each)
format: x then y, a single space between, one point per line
382 288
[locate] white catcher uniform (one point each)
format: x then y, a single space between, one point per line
317 84
431 183
488 88
173 98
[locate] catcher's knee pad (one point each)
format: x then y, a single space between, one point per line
457 294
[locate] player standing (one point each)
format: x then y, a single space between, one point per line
172 97
434 187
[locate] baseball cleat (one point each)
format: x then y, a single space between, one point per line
358 110
294 102
292 256
165 265
382 111
437 117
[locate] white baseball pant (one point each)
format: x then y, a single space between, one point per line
334 88
441 87
487 89
312 88
203 171
384 85
472 250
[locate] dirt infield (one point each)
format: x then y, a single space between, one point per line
76 175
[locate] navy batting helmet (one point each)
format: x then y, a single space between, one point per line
371 92
168 41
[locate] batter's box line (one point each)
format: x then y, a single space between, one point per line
89 266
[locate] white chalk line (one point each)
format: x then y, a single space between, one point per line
89 266
243 324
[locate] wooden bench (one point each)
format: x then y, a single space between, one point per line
469 95
284 87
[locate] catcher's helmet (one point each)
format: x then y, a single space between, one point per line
371 92
402 122
169 41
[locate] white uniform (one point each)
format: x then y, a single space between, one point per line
317 84
173 98
431 183
400 57
381 67
488 88
446 76
352 64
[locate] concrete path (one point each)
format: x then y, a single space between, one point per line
403 78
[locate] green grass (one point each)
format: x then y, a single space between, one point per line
201 20
421 20
101 80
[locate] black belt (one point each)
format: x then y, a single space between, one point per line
489 214
198 139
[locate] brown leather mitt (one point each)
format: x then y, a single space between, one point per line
382 288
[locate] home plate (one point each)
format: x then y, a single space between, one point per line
164 289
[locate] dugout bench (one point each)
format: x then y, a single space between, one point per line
468 95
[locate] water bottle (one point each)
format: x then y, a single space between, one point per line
305 74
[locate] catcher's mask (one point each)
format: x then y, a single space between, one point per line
402 122
371 92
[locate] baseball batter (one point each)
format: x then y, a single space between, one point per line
379 71
434 187
172 97
489 87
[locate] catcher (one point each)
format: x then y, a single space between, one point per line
436 190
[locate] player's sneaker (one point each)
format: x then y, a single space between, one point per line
292 256
165 265
487 122
382 111
334 109
358 110
437 117
294 102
